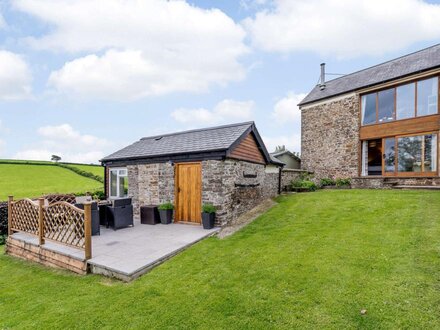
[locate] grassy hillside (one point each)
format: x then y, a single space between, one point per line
95 170
312 262
32 179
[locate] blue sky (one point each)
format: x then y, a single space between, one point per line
82 79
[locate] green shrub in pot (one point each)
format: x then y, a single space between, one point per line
166 213
208 215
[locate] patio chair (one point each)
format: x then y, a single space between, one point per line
120 214
96 230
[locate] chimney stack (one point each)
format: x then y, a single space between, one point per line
322 82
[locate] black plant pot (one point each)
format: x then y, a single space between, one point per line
208 220
166 216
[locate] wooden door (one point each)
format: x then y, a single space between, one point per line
188 192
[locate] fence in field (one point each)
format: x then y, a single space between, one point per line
60 222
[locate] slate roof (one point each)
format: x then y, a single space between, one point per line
276 160
280 153
400 67
219 138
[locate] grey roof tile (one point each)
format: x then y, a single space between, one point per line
422 60
200 140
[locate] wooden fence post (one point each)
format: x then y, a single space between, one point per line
41 221
10 200
88 230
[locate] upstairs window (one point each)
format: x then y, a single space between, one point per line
406 101
118 183
427 97
369 109
412 100
385 106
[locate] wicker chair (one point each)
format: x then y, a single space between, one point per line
120 214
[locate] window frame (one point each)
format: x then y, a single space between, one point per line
394 88
117 169
396 172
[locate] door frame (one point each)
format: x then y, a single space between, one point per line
176 191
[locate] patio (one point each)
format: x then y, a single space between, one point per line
130 252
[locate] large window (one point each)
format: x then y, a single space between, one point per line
369 109
389 155
417 153
402 102
405 101
401 155
118 183
385 106
409 153
427 97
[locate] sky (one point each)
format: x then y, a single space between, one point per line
84 78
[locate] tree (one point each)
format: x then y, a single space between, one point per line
55 158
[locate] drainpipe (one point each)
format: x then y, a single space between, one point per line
279 180
105 181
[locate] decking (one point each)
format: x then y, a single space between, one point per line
124 254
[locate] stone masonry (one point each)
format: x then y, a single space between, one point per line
234 187
150 184
330 138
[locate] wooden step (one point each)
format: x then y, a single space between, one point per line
416 187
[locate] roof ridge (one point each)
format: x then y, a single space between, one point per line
392 60
199 130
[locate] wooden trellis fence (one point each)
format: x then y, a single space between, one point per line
60 222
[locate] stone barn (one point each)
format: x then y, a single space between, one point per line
378 126
227 166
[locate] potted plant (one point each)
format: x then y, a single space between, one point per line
208 216
166 213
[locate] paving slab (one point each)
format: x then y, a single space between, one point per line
127 253
130 252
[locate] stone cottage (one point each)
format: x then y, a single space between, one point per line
227 166
378 126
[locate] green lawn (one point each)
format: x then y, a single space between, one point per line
24 180
313 261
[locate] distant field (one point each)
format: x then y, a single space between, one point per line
22 179
96 170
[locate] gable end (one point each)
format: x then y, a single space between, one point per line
248 150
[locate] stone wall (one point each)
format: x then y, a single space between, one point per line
150 184
287 175
330 138
380 183
234 187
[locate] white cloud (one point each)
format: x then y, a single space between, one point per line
66 142
286 110
138 48
15 77
287 113
344 28
226 111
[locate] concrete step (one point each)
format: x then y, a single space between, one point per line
416 187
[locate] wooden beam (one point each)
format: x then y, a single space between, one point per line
401 127
41 221
88 230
